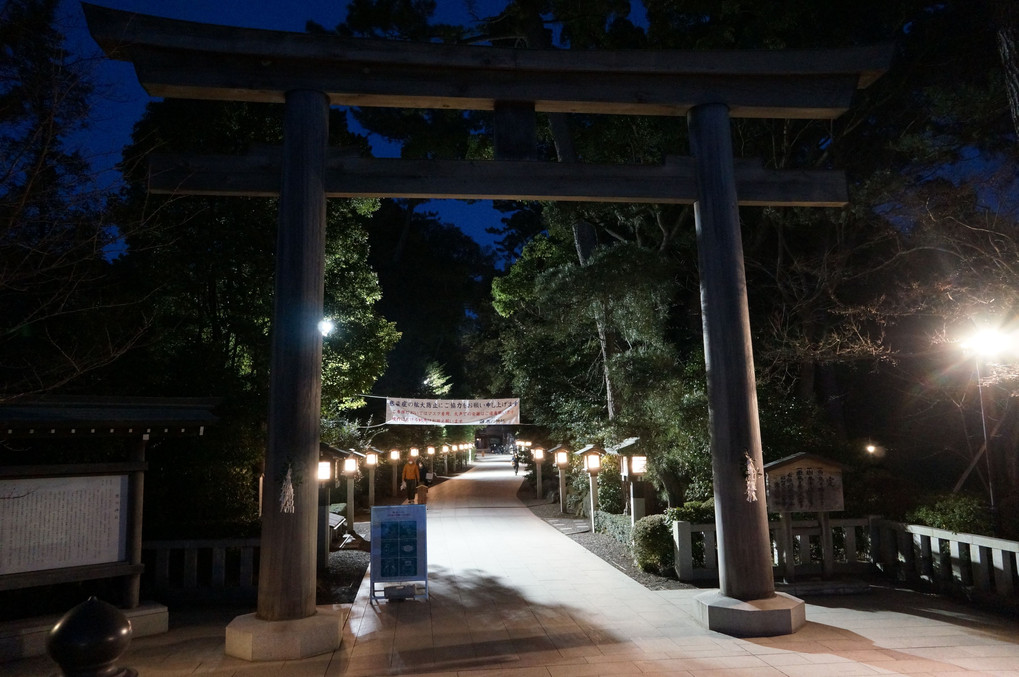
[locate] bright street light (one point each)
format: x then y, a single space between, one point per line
326 326
987 342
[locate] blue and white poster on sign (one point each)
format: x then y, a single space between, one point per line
398 545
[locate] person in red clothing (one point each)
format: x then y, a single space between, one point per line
411 477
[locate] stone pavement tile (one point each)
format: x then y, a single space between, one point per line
527 657
989 663
629 650
778 660
848 645
922 640
369 664
595 669
502 649
412 643
682 666
989 650
869 656
454 654
910 664
507 672
370 647
724 663
829 670
654 644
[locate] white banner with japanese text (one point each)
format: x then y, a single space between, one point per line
452 412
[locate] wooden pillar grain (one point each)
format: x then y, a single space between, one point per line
744 547
136 503
286 585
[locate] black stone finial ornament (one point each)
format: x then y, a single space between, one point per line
89 638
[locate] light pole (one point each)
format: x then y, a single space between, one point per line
634 468
562 461
445 458
394 460
371 459
325 478
984 344
539 457
592 464
350 472
431 460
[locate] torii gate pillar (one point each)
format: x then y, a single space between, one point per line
746 603
287 624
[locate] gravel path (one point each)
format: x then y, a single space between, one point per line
603 545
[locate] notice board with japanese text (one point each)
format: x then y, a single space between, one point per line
804 483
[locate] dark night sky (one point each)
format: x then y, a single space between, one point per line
122 100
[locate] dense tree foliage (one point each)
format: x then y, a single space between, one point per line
60 316
858 314
204 267
854 310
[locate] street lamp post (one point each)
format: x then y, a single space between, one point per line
371 459
984 344
445 458
325 478
394 460
350 472
634 468
592 464
987 450
539 457
562 461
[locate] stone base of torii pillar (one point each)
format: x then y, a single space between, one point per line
779 615
252 639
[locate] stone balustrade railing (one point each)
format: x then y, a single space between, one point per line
849 552
910 553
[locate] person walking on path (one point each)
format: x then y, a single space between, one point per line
411 477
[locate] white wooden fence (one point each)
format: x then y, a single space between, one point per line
909 552
906 552
848 550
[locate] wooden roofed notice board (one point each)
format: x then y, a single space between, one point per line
804 483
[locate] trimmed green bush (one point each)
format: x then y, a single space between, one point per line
695 512
953 512
653 550
616 526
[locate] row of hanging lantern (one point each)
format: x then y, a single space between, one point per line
632 467
332 470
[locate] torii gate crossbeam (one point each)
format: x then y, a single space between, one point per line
310 72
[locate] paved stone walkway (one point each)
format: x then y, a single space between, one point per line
512 596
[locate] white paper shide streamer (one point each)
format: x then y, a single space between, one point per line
287 494
753 474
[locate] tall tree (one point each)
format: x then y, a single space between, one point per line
205 266
59 315
433 278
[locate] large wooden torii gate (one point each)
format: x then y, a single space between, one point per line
308 73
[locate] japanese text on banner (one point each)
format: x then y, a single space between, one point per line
452 412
